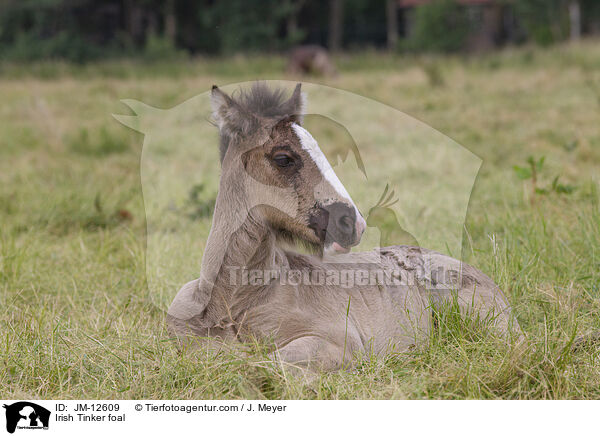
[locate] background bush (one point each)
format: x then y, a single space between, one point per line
86 30
440 26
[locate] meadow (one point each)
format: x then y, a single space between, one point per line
76 315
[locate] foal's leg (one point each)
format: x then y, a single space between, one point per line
315 353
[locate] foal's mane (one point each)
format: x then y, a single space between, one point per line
245 110
266 102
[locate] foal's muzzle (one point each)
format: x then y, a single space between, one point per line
337 225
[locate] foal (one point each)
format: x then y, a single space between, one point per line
277 191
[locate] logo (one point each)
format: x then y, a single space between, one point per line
26 415
412 183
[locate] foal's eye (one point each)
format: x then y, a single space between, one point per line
283 160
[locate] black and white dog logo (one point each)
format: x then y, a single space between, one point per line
26 415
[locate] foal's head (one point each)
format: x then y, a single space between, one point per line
262 135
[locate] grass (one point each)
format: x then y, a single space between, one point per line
77 318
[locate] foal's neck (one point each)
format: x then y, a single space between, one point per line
239 242
252 247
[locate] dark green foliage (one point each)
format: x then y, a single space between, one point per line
532 173
440 26
160 49
78 31
86 30
544 21
252 25
364 23
28 46
590 14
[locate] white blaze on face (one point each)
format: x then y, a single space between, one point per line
330 186
314 151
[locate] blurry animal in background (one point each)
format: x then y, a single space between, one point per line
310 59
384 218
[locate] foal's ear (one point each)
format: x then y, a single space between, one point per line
231 118
296 104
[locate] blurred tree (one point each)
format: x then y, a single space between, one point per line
439 26
391 12
294 34
364 24
77 30
82 30
590 13
545 21
336 17
252 25
170 22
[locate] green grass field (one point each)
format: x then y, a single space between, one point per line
77 319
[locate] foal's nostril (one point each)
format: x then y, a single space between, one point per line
346 224
336 222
